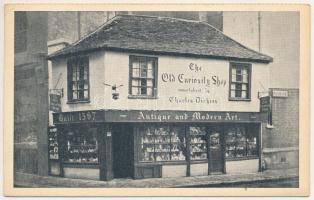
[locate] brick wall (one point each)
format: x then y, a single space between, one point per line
281 141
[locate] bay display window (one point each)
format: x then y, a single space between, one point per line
78 79
198 149
240 78
81 146
162 143
143 74
240 142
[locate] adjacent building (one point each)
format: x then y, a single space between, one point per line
151 97
276 34
30 92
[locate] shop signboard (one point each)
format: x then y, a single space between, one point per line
280 93
55 103
53 143
265 103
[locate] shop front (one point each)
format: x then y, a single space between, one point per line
108 144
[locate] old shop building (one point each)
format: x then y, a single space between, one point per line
157 97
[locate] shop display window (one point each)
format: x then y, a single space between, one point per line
240 143
162 143
81 146
198 148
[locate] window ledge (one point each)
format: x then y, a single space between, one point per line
242 158
239 99
142 97
77 102
269 126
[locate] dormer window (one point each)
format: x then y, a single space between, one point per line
78 79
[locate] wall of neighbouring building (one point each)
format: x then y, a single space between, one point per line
280 141
31 95
68 25
273 33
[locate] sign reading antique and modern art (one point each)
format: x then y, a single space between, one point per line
154 116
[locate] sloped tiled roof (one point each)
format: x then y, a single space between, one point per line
161 35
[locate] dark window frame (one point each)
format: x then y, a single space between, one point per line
75 61
240 66
145 59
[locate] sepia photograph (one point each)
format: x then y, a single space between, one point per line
156 99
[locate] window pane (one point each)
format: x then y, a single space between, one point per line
149 91
74 94
239 78
238 72
177 143
85 85
149 83
85 73
135 91
74 86
233 87
81 94
135 72
238 86
240 142
150 65
233 78
143 72
198 148
78 142
234 71
244 87
147 143
245 78
143 82
244 71
162 143
135 64
238 93
244 94
150 74
85 94
232 93
230 141
143 91
251 145
135 82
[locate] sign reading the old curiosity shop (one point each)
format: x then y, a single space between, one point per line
194 84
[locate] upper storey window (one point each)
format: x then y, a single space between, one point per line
240 81
143 77
78 79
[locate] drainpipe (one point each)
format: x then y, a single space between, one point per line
79 24
259 30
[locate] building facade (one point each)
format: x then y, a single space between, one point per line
30 92
151 97
276 34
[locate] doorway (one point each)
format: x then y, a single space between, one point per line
123 151
216 159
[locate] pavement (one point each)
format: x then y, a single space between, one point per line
31 180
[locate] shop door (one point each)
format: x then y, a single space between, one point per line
215 152
122 151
